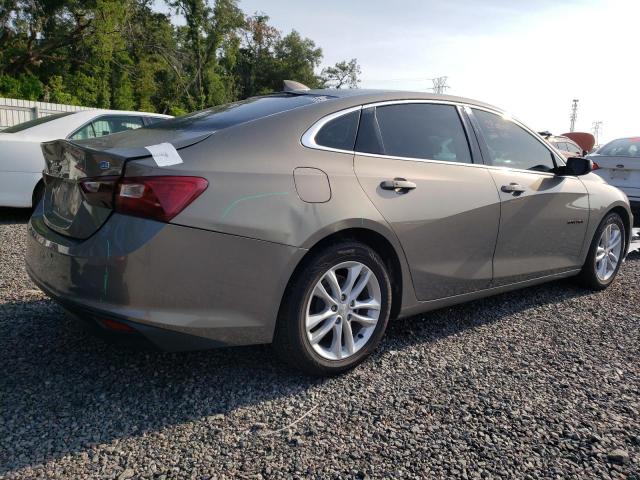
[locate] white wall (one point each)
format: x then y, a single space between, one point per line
13 111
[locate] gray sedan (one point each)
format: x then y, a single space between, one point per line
311 218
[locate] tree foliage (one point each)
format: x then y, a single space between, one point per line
342 74
125 54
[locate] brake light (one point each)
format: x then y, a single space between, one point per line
595 166
157 198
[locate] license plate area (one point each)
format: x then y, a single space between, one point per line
619 174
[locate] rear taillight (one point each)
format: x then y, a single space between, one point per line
157 198
99 191
595 166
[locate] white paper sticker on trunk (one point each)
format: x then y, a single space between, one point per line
164 154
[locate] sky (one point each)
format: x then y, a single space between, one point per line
529 57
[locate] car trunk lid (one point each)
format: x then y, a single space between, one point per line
68 164
620 171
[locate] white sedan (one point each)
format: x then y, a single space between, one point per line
21 159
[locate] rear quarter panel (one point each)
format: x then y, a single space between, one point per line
252 191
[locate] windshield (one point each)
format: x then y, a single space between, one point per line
223 116
32 123
623 147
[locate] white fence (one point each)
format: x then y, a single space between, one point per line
13 111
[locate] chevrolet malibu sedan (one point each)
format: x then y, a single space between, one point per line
21 160
311 218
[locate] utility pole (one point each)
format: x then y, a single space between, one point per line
440 84
574 114
597 129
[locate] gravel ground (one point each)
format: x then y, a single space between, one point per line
540 383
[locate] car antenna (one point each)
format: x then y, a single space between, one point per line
293 86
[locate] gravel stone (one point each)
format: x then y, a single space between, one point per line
618 456
537 383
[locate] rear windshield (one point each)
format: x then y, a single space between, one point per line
32 123
623 147
223 116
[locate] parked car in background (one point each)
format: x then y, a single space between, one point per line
619 163
567 147
310 218
21 160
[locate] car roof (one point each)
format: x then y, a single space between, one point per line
360 95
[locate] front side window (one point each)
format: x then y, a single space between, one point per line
414 130
340 132
512 146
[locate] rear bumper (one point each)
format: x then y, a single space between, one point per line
180 287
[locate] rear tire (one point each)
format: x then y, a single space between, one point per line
38 193
307 340
597 273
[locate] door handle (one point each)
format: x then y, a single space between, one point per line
400 185
513 188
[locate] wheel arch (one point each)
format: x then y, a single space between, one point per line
390 254
626 218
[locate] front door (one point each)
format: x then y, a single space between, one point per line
414 163
544 216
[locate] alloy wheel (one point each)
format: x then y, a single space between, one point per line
608 252
343 310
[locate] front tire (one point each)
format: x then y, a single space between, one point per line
335 310
605 254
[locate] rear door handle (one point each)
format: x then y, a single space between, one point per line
513 188
397 184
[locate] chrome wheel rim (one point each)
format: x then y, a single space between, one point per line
343 310
608 252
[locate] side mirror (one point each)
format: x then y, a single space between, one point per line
577 166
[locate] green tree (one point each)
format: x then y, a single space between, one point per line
125 54
342 74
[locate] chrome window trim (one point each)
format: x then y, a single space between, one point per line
308 138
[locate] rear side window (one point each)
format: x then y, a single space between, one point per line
414 130
84 133
512 146
340 132
624 147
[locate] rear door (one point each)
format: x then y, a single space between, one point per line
415 164
619 163
544 216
